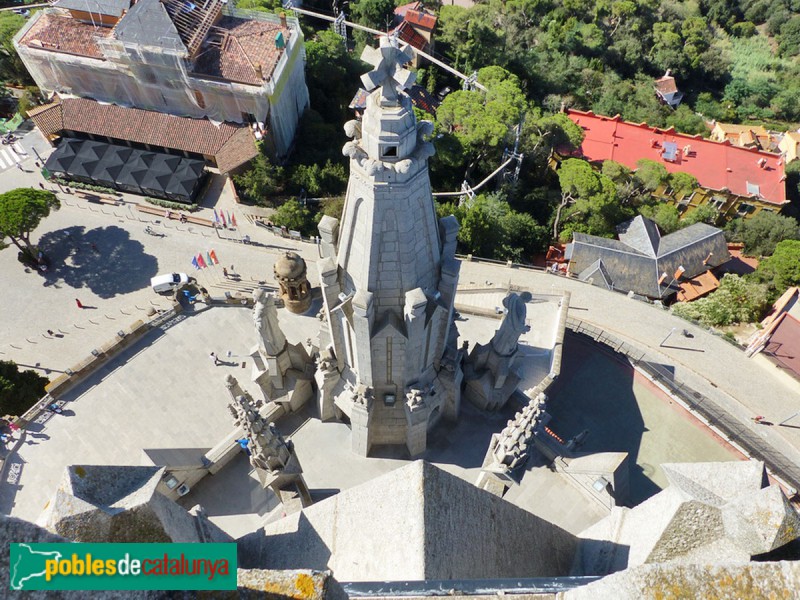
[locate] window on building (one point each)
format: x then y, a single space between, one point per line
389 151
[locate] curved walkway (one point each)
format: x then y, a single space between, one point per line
743 387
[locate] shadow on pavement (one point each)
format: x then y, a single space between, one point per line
105 260
595 392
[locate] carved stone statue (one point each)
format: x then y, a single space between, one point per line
271 339
505 340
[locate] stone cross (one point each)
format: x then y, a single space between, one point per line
388 73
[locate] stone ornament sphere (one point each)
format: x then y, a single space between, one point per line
290 266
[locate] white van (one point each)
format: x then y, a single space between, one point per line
167 283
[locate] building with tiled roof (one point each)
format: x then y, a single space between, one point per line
789 144
736 181
746 136
225 145
414 25
643 262
667 90
176 57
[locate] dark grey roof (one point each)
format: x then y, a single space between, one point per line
148 23
641 234
638 269
115 8
597 274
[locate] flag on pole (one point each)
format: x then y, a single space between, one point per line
201 261
678 272
216 216
208 259
222 217
213 256
662 279
230 219
194 262
233 219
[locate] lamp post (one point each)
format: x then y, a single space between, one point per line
671 331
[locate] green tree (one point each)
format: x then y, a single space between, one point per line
482 121
21 211
683 183
19 390
260 181
782 269
737 300
327 180
650 174
12 70
589 201
491 229
702 214
665 215
762 233
377 14
292 214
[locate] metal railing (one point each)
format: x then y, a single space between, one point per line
733 430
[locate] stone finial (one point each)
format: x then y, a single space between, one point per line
268 450
271 339
388 73
414 399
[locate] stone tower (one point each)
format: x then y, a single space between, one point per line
389 360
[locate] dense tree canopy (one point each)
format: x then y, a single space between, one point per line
761 233
782 269
19 390
737 300
21 211
12 70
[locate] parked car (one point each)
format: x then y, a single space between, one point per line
169 282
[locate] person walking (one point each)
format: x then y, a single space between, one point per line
215 358
225 272
78 302
50 333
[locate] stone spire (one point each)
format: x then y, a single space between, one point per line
389 279
271 456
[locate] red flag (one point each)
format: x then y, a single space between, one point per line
222 216
233 219
201 261
678 272
213 256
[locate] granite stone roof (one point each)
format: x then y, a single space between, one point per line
247 52
148 23
114 8
61 33
637 260
230 144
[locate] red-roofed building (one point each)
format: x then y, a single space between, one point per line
414 25
736 181
779 336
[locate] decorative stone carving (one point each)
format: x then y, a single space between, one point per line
290 272
389 289
271 339
492 371
271 456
